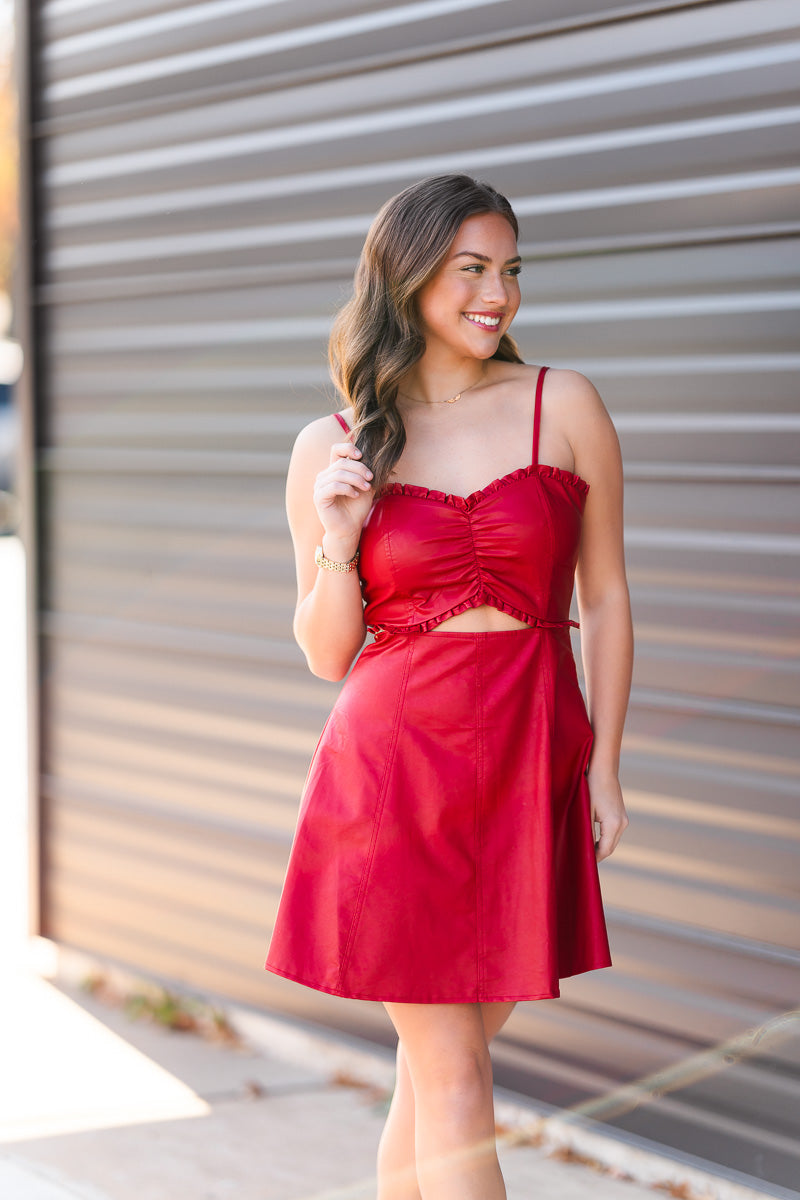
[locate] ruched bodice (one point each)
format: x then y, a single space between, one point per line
427 555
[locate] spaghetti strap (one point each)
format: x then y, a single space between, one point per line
342 422
537 417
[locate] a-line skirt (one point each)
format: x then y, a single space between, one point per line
444 849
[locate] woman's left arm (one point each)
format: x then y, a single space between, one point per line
603 602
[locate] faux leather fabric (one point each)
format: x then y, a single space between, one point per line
427 555
444 851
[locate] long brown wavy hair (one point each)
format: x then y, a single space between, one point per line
376 336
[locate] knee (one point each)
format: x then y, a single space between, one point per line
458 1082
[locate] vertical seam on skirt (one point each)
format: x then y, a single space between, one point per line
390 752
550 695
479 804
549 707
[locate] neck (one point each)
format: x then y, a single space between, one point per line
431 385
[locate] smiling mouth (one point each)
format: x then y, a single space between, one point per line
484 321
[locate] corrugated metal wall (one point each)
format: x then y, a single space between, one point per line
206 173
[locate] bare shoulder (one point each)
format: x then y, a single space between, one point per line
521 374
311 453
575 397
312 446
586 424
564 390
321 432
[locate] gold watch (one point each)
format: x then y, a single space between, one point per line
330 565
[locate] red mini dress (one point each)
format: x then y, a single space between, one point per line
444 850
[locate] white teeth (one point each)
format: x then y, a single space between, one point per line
491 322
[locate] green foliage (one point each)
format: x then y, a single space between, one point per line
164 1007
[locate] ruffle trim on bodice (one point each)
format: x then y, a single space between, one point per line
468 502
478 598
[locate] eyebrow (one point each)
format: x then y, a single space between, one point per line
483 258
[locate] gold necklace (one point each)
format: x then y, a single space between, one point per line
452 399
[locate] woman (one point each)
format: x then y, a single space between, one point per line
444 860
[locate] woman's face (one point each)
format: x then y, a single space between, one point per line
472 299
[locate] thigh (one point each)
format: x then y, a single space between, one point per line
495 1013
445 1032
436 1034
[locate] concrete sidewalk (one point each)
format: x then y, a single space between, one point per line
96 1106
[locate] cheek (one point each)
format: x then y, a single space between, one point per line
441 302
463 293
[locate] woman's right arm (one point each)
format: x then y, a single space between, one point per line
328 497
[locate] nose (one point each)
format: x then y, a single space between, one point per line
495 288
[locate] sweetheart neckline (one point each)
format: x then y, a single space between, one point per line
539 469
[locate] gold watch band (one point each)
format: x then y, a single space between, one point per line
330 565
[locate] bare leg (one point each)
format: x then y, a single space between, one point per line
397 1172
397 1175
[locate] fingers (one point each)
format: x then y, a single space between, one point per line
345 456
344 450
607 812
341 484
346 475
610 833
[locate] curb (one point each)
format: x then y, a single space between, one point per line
522 1120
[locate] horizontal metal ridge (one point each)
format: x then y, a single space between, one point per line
207 196
86 628
705 472
678 931
739 710
718 540
153 460
106 800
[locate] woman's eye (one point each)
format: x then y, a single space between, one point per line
478 268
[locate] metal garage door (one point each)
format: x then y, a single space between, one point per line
201 178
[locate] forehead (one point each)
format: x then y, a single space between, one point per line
485 230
